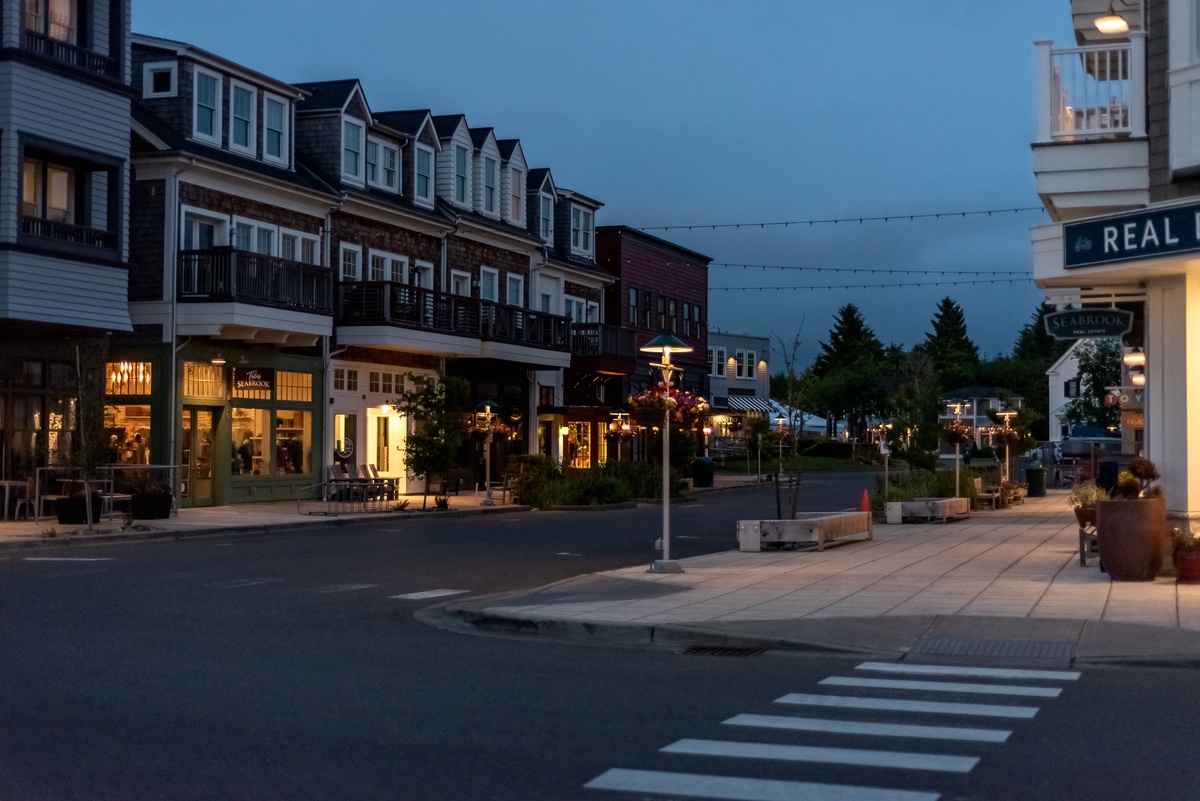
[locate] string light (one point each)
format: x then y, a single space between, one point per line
869 286
835 221
867 269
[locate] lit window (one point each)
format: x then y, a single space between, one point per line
53 18
48 191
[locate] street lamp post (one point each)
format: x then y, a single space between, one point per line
1007 416
956 407
485 414
666 343
779 424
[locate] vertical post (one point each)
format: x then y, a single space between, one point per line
666 485
957 453
1044 112
487 466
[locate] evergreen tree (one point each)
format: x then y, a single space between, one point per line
1034 343
850 339
953 353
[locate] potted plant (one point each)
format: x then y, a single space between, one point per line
73 509
1083 497
1132 527
1186 556
150 499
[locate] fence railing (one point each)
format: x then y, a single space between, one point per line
225 273
1091 92
66 232
66 53
598 339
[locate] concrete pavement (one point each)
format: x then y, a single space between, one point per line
1002 586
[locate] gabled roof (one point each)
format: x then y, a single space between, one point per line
538 178
410 122
480 136
447 125
508 147
325 96
579 197
1068 355
202 56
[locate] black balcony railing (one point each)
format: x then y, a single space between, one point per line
224 273
66 53
390 303
65 232
598 339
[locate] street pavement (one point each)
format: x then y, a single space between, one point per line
1003 586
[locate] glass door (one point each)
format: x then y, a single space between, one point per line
196 456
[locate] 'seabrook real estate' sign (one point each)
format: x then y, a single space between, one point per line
1131 236
247 378
1080 323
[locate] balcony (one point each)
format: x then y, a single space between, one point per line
603 349
227 274
390 314
1091 156
66 53
68 234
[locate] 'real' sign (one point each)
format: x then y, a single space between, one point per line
1132 236
1081 323
250 378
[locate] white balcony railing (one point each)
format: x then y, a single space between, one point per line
1096 92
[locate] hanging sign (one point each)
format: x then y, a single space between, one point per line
1131 236
1080 323
252 378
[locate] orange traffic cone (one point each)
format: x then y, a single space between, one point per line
865 506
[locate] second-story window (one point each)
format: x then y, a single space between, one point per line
352 150
241 118
633 307
489 185
424 183
517 191
581 231
207 107
460 174
53 18
275 136
48 192
382 159
546 218
488 284
515 294
351 262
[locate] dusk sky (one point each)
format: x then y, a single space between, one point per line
677 113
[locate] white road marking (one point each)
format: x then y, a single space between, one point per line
229 585
419 596
70 559
868 728
833 756
567 553
943 686
897 705
729 787
978 672
339 588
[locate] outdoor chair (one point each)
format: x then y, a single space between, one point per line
990 495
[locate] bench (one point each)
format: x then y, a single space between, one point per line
819 527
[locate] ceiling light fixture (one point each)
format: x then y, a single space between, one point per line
1111 22
218 359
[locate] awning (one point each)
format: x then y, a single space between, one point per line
749 404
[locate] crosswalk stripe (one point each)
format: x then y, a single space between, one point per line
868 728
978 672
834 756
340 588
942 686
69 559
696 785
899 705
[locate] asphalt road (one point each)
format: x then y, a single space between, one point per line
290 667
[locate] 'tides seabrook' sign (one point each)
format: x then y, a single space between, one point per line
1132 236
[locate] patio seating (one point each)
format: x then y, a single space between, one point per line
990 495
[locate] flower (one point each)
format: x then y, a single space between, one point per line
1007 436
686 407
956 432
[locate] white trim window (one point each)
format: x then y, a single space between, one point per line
516 207
350 258
352 149
160 79
514 294
276 126
243 118
299 246
490 174
489 284
546 218
574 308
206 106
202 229
460 283
254 237
592 314
423 179
461 175
387 267
718 367
382 161
581 231
421 275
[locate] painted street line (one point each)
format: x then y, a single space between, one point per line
339 588
728 787
870 729
70 559
939 686
420 596
567 553
834 756
229 585
977 672
897 705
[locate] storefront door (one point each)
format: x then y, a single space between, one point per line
197 456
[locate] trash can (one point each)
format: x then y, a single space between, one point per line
1106 475
1035 477
702 472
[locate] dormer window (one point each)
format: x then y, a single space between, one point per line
460 175
352 150
424 182
242 118
517 208
53 18
158 80
581 231
546 218
275 130
206 110
382 159
489 185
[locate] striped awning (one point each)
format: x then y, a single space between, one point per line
748 404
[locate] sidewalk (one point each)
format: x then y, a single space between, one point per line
1002 586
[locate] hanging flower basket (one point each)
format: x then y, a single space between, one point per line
687 408
1007 437
957 432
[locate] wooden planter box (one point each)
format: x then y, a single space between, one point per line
818 527
929 509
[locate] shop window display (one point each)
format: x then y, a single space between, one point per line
128 429
250 430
